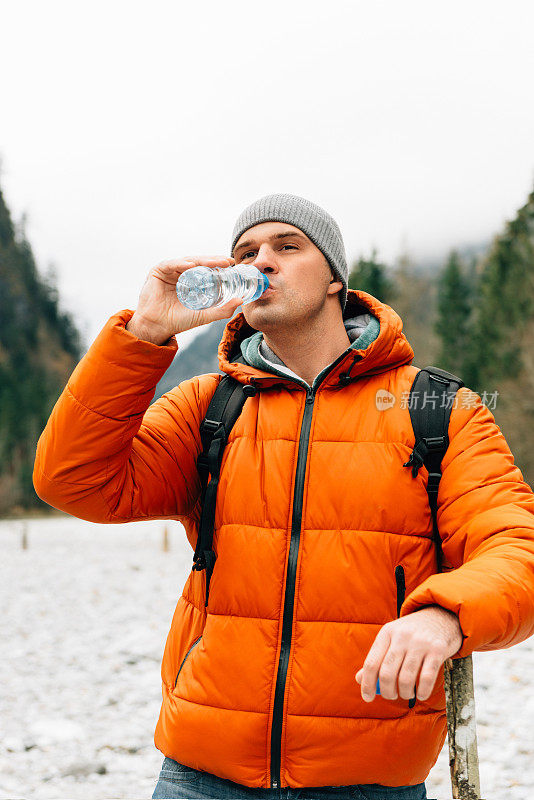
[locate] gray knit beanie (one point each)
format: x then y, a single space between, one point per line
311 219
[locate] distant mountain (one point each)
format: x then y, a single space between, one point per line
198 357
431 264
39 348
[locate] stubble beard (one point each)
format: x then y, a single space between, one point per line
274 316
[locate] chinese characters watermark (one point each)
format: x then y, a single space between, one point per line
385 400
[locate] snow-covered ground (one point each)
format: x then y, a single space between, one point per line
84 615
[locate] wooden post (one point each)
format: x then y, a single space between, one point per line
463 753
165 545
24 540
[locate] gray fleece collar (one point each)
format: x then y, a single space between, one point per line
362 329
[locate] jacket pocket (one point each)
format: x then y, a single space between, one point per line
400 579
185 659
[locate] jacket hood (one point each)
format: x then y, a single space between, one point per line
387 350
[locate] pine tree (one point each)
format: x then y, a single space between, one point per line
39 347
369 275
453 324
504 334
414 300
506 299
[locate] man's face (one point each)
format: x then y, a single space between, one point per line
301 279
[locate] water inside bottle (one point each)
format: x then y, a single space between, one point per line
197 288
201 288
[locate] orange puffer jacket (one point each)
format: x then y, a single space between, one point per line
314 513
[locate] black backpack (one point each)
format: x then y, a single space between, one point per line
430 424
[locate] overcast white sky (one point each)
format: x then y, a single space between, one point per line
135 132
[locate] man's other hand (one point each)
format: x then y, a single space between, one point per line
408 652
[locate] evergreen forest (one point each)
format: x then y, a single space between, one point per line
470 311
39 348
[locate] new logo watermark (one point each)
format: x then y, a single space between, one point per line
385 400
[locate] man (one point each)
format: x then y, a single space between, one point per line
272 688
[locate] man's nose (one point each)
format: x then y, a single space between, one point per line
265 260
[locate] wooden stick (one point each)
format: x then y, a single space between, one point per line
463 752
165 543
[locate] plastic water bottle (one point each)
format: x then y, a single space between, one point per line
201 287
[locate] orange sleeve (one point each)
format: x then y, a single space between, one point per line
105 455
486 523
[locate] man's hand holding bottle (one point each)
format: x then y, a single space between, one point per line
159 314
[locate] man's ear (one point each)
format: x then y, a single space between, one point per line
336 284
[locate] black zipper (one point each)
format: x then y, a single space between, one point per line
289 597
287 619
185 658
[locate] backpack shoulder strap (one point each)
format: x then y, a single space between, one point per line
224 408
430 403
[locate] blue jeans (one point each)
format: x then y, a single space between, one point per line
179 781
